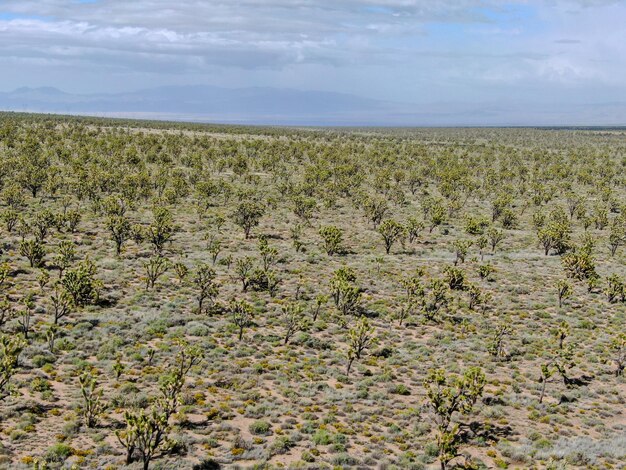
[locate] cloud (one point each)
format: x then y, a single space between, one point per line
248 33
390 49
567 41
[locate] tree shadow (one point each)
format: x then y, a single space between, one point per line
207 465
38 409
579 381
190 425
491 401
486 432
107 302
272 236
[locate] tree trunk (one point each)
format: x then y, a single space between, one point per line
543 391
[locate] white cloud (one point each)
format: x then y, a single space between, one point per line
394 49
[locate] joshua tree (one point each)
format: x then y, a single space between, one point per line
43 279
243 267
65 256
391 231
413 228
173 382
485 271
304 207
155 267
269 254
360 337
561 333
495 236
61 302
51 336
118 367
145 433
617 237
10 218
120 229
413 296
564 290
248 215
375 209
320 301
42 222
460 249
72 219
579 264
502 202
296 237
481 243
455 277
496 347
161 230
33 168
272 281
563 362
574 202
547 371
93 407
477 298
436 298
435 210
241 314
114 206
7 312
345 293
34 251
181 271
204 280
618 348
10 349
214 247
555 235
615 289
26 314
81 284
450 395
14 197
332 238
601 217
293 319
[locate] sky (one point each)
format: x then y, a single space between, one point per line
533 53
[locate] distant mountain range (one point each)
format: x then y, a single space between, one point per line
201 103
279 106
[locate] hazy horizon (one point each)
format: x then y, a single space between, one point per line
403 62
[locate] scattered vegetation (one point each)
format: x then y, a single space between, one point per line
188 296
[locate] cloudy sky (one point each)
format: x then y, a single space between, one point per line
539 53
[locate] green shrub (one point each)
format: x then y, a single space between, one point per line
58 452
322 438
260 428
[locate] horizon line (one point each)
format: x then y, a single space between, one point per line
126 117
